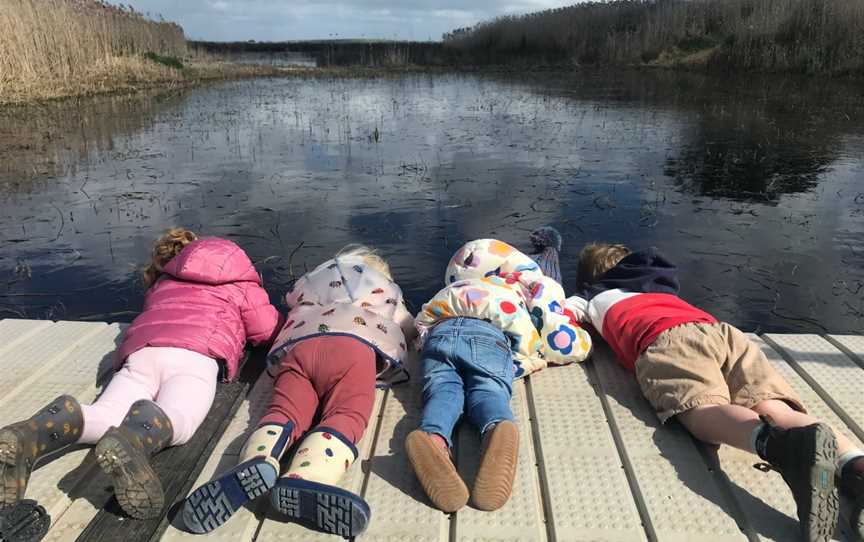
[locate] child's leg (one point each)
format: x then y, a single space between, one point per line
488 375
443 391
722 424
343 375
186 394
289 415
137 379
443 400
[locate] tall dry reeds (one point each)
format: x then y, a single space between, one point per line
813 36
64 43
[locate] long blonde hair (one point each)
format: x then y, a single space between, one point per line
369 255
164 249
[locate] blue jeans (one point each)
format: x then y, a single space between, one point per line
467 365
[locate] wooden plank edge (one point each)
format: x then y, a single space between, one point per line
108 525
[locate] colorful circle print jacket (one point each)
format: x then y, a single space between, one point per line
492 281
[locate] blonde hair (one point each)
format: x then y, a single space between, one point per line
164 249
369 255
597 258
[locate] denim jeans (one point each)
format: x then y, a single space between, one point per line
467 365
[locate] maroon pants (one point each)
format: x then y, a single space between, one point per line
328 378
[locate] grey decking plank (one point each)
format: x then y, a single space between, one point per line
74 371
853 345
672 477
589 496
763 497
522 517
244 524
38 355
13 332
400 508
274 529
836 378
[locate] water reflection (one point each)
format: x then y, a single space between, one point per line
752 192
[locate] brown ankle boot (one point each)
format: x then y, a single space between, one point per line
436 472
494 481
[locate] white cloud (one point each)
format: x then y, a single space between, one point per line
273 20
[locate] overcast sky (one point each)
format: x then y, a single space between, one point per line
276 20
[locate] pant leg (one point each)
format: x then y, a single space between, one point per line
294 398
487 372
187 390
137 379
443 391
344 378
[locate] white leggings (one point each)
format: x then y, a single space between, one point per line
180 381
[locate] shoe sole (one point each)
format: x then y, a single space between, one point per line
324 508
212 504
436 472
824 499
10 470
494 482
24 522
136 486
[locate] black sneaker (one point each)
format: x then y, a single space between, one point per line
851 483
806 457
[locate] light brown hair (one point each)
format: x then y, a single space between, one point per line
597 258
164 249
369 255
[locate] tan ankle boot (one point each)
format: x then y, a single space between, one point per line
436 472
494 481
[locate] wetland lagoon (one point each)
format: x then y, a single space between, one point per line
754 187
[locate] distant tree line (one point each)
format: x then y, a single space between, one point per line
811 36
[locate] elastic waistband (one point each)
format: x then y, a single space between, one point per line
462 325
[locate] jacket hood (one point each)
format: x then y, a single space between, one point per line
646 271
212 261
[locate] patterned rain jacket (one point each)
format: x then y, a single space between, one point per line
344 296
492 281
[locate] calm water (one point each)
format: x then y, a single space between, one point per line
756 189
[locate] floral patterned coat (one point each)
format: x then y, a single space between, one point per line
492 281
344 296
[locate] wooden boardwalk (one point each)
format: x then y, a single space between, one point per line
594 463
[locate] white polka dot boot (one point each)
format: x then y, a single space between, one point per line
215 502
307 493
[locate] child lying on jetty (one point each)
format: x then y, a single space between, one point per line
347 323
498 318
204 302
714 380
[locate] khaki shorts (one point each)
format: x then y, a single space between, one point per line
708 364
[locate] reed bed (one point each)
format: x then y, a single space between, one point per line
809 36
57 48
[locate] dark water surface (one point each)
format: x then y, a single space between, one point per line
755 188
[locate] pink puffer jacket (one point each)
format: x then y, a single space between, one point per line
209 300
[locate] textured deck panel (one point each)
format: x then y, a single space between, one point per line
854 344
400 508
673 480
522 517
14 332
588 494
273 529
73 370
36 355
837 378
764 498
582 476
244 523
